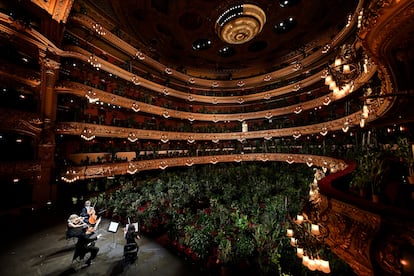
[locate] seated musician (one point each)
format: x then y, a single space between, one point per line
84 245
93 219
77 227
86 211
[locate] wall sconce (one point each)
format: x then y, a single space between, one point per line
296 134
324 131
93 61
139 55
91 96
268 115
345 127
70 176
166 114
132 137
240 83
327 100
87 134
163 165
164 138
214 160
296 87
98 29
298 110
168 71
132 169
135 80
135 107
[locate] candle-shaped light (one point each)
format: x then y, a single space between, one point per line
311 264
293 242
315 229
325 266
328 79
338 61
299 219
289 232
305 260
299 252
346 69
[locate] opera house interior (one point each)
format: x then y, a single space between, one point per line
270 136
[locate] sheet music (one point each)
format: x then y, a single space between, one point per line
113 226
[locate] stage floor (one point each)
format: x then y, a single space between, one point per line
47 252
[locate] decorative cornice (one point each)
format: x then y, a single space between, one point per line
104 170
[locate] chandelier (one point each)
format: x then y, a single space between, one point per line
307 234
340 75
239 24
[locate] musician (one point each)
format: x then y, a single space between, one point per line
84 245
131 234
76 227
86 211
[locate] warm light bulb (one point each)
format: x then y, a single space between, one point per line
299 219
299 252
346 69
328 79
338 61
315 229
289 232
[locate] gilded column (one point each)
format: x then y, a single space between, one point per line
44 189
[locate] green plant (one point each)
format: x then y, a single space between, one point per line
405 153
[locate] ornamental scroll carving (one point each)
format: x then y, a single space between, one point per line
351 231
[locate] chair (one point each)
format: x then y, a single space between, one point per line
130 252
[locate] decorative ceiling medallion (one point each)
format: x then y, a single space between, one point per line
240 24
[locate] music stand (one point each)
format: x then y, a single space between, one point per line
113 228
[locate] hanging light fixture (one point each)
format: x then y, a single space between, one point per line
341 75
307 234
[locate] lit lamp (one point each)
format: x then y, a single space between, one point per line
299 252
315 229
325 266
299 219
289 232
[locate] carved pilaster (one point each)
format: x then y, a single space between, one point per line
48 97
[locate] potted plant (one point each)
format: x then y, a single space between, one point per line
405 153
